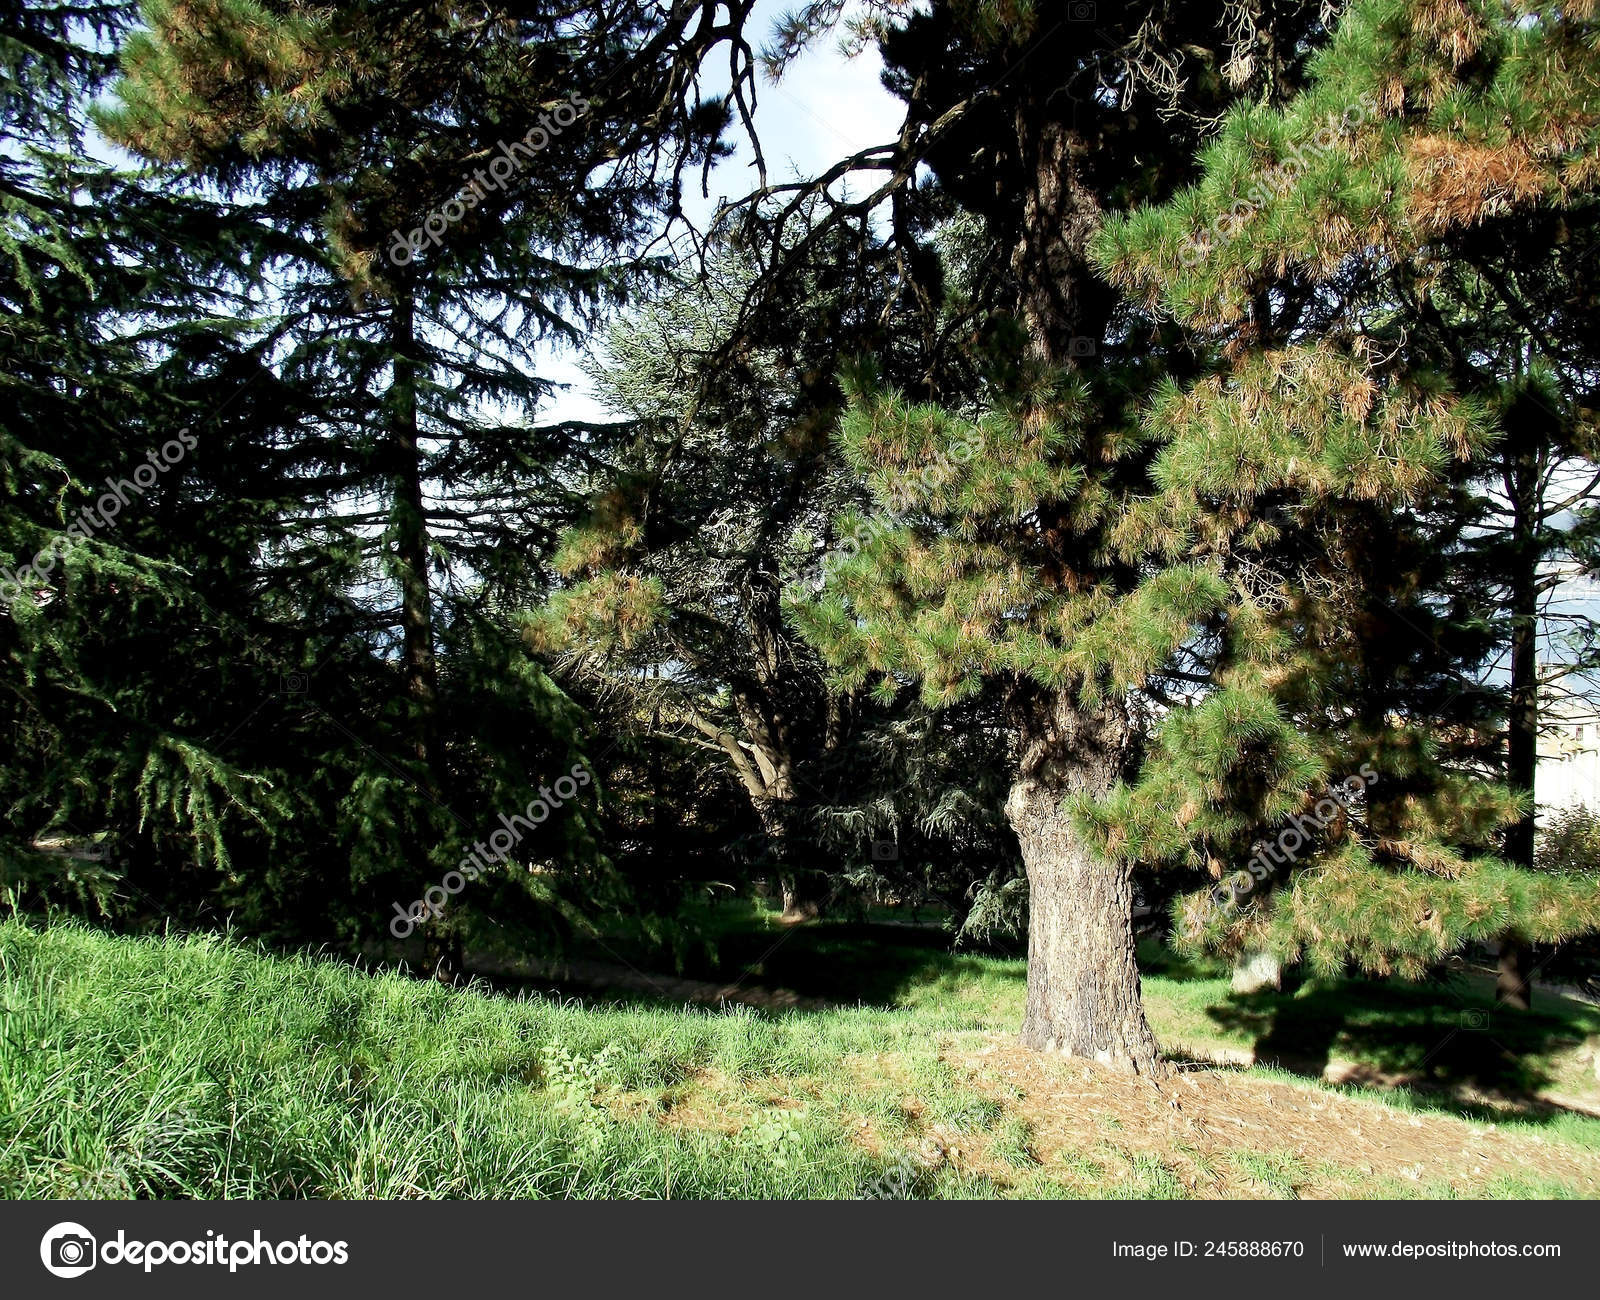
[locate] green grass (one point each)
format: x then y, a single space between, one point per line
1442 1036
1279 1174
1446 1033
1148 1179
1439 1046
195 1066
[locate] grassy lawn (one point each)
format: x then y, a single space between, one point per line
196 1067
1444 1039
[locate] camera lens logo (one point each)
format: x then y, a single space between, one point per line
68 1250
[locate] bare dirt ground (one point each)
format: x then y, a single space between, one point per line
1218 1131
1209 1133
1199 1122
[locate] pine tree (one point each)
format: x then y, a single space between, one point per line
1360 266
1007 573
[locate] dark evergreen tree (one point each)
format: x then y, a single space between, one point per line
116 342
438 193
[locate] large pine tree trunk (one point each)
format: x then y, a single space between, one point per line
1083 978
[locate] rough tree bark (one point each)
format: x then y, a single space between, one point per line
1083 978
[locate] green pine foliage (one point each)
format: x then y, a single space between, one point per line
961 586
1316 259
1231 551
114 343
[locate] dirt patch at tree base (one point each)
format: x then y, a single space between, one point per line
1317 1143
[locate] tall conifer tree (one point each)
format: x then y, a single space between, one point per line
441 190
1040 125
1386 333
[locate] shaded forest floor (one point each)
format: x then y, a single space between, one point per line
193 1066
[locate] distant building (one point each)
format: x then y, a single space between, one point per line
1569 757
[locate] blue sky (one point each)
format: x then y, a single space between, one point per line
826 107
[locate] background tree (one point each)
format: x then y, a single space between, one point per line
408 280
117 340
723 494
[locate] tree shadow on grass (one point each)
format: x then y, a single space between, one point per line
1157 959
1443 1041
841 963
848 962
